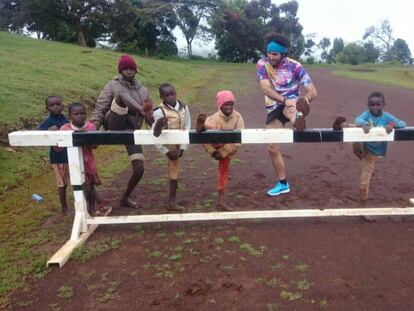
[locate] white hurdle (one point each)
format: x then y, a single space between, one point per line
84 225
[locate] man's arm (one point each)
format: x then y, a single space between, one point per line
102 105
311 92
270 92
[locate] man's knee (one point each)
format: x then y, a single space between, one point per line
273 149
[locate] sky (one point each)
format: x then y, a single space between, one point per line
346 19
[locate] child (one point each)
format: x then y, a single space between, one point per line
174 115
226 118
58 159
77 115
367 152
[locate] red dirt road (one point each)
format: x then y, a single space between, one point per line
307 264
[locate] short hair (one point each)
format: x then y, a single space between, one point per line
74 106
278 38
165 86
49 97
377 94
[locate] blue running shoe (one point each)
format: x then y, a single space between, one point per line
279 189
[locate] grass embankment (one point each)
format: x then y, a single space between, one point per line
32 70
392 75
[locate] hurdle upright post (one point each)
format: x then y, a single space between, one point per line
80 230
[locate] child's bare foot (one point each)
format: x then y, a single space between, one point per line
201 119
300 123
224 207
126 202
338 123
159 126
174 207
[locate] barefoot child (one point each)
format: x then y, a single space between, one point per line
58 158
367 152
174 115
226 118
77 115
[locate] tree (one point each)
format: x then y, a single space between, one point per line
189 15
144 27
324 44
383 37
401 52
371 53
353 54
337 47
64 20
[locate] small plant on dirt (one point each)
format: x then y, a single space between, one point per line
55 306
179 248
290 296
285 257
302 284
301 266
234 239
194 252
218 241
277 266
156 254
179 234
65 292
323 303
228 268
176 257
249 249
272 306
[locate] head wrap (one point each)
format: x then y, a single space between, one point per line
275 47
126 62
223 97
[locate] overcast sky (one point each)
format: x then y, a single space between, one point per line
346 19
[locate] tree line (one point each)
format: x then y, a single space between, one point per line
146 26
378 46
238 28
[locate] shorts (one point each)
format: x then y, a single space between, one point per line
277 114
117 120
62 174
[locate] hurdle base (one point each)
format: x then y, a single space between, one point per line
64 253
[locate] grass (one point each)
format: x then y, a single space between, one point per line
65 292
392 75
249 249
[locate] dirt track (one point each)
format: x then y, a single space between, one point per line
335 264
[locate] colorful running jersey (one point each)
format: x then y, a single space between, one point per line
285 79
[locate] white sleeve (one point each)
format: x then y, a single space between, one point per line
158 114
187 125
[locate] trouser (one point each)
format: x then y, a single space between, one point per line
223 177
367 168
118 119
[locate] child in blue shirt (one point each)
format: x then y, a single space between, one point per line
58 158
367 152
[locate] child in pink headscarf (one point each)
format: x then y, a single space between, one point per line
226 118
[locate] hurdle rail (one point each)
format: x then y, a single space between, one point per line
84 225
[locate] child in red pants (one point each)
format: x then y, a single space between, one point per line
226 118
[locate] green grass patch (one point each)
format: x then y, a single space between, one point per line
234 239
249 249
65 292
301 266
96 248
392 75
290 296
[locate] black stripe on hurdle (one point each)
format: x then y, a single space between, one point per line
317 135
103 138
223 137
404 134
77 188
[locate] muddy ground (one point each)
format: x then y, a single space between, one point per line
301 264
